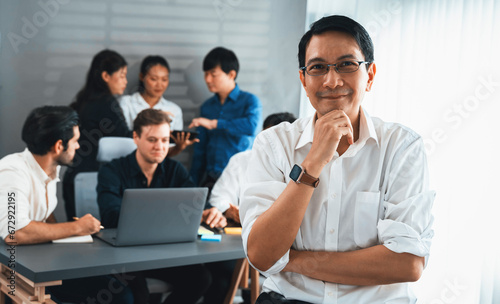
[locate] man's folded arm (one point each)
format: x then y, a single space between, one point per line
404 233
376 265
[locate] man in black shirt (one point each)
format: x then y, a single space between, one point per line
148 167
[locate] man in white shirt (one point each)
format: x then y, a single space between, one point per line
337 207
226 193
32 176
29 179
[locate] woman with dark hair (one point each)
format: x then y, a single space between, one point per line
153 81
100 116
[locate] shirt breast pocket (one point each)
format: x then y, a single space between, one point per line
366 218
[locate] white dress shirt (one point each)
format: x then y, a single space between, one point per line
227 188
135 103
375 193
35 191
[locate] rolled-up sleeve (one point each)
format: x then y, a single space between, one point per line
407 222
407 226
264 184
14 184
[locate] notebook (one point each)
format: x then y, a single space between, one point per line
75 239
157 216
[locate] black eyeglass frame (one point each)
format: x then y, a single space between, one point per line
334 65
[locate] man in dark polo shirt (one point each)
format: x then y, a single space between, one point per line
148 167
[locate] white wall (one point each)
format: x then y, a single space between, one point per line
47 46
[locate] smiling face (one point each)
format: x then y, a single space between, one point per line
334 91
117 82
155 81
152 144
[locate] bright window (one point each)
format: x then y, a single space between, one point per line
438 72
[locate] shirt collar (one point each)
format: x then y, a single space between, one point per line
37 169
137 97
133 164
307 132
235 93
366 130
142 102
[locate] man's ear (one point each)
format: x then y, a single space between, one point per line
141 77
303 79
58 147
135 137
372 70
232 74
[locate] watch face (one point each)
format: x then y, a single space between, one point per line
295 173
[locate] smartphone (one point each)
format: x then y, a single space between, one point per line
215 230
194 134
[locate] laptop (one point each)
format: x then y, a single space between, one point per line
157 216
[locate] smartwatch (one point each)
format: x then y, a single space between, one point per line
300 176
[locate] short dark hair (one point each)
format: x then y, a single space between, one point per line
149 62
340 24
222 57
150 117
45 125
277 118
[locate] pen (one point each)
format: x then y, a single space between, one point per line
77 218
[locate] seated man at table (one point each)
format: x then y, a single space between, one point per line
148 167
29 179
225 195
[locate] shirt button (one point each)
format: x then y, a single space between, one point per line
332 231
330 294
334 195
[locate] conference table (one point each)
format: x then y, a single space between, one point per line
38 266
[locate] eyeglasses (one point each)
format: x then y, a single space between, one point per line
318 69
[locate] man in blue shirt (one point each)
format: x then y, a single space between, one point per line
229 119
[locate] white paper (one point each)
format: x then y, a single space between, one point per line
75 239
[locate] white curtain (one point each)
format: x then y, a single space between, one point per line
438 72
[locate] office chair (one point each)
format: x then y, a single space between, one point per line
242 272
110 148
86 194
